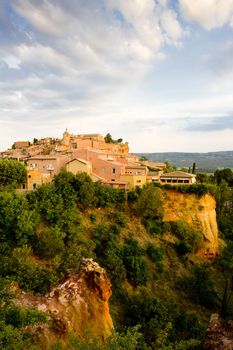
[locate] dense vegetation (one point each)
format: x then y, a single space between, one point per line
161 298
12 173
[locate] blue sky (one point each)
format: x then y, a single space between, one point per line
157 73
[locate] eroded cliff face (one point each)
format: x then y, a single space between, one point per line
79 305
198 213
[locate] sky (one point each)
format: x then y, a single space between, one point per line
157 73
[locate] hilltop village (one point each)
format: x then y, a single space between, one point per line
102 158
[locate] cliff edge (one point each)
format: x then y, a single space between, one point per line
197 212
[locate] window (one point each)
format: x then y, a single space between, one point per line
139 181
114 170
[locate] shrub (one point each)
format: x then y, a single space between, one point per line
136 266
155 227
156 255
109 252
17 221
20 317
64 185
189 238
30 276
106 196
12 172
49 242
200 286
149 204
120 218
198 189
93 217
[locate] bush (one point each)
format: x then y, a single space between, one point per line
106 196
17 221
20 317
12 173
120 218
156 255
109 252
13 338
163 325
198 189
200 286
136 266
155 227
93 217
189 238
30 276
150 204
49 242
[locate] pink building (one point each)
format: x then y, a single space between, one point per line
48 164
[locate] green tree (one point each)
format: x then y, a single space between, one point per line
189 238
12 173
169 167
17 219
143 158
224 175
225 261
200 286
35 141
150 203
194 168
136 266
108 138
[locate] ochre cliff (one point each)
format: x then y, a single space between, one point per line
197 212
79 305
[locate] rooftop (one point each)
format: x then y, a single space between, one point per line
179 174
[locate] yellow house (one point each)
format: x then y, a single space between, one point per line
133 180
79 165
35 178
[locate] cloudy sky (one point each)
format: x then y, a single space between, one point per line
157 73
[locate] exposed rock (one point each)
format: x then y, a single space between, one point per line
79 305
218 335
198 213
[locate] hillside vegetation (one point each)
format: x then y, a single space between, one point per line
163 291
207 162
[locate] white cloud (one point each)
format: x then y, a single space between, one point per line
207 13
172 27
11 61
77 63
82 50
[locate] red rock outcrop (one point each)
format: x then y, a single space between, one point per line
79 305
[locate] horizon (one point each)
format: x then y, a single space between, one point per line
136 152
161 79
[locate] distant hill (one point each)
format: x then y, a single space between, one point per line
207 162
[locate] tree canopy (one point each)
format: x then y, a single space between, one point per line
108 139
12 172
